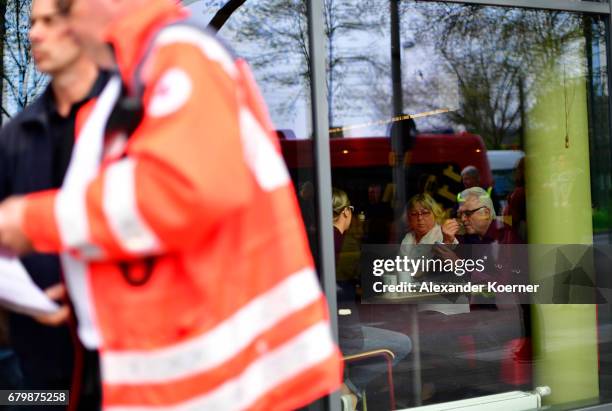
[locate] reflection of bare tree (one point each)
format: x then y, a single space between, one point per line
23 82
2 34
489 98
496 54
279 29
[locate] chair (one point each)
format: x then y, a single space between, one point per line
388 357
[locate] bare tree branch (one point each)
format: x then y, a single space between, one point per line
24 82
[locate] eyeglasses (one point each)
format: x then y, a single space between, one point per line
468 213
415 214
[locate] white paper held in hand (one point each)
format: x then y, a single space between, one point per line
18 292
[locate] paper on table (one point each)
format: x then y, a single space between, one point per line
18 292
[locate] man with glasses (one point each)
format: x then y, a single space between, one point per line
35 148
476 216
470 177
477 219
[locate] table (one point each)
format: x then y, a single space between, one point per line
422 302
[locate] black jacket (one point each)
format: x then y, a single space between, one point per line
28 164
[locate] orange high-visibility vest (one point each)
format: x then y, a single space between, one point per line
183 250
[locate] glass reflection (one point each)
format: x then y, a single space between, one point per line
426 100
511 143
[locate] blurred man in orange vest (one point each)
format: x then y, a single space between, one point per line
183 251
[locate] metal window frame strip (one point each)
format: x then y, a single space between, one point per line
563 5
322 171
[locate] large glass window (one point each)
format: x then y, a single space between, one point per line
426 100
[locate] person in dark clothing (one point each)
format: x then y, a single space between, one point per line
343 214
470 177
478 219
379 217
35 149
515 212
355 336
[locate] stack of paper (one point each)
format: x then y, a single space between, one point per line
18 292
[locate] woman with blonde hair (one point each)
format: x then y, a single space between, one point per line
424 216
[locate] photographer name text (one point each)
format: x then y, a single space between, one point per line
469 287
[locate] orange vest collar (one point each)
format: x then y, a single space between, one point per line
130 34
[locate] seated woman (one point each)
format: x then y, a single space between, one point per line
354 337
424 217
343 215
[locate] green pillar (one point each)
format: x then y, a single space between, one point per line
559 212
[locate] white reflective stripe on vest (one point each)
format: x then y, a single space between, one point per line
261 155
263 159
209 46
70 206
218 345
71 211
71 216
306 350
77 283
121 211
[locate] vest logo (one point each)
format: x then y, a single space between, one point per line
170 94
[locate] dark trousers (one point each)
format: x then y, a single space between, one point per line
89 392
